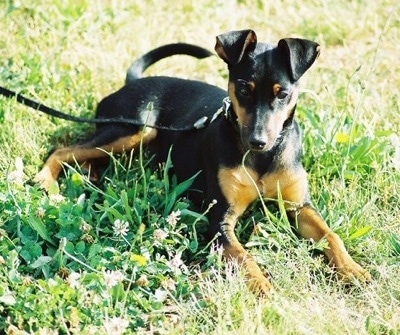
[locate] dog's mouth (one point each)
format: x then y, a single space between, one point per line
260 149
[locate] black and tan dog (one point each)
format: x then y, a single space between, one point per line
263 89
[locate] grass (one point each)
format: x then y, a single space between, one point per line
129 255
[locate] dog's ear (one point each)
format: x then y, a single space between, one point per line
300 54
233 45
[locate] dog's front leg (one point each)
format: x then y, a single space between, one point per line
235 193
233 250
312 226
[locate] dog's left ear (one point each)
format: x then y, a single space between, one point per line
300 53
233 45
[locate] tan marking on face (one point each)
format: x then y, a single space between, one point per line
277 119
293 101
252 85
82 153
276 89
243 117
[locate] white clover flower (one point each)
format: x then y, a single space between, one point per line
40 212
160 235
116 325
85 227
121 228
56 199
73 280
17 176
174 217
160 295
176 263
169 284
112 278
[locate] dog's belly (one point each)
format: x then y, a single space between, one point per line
185 153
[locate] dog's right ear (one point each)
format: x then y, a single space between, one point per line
233 45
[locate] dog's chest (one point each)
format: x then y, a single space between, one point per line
242 185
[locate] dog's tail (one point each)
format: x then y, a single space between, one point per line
137 68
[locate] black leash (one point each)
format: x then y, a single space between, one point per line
201 123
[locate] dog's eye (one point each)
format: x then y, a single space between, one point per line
244 91
243 88
282 94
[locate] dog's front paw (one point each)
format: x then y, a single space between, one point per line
259 284
256 281
350 270
44 178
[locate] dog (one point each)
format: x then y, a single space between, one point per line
252 148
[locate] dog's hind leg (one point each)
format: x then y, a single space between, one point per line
106 140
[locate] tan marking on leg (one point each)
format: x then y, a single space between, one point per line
256 281
240 192
312 226
82 153
294 190
243 117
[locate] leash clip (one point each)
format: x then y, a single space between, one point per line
226 106
203 121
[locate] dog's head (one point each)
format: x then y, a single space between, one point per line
263 83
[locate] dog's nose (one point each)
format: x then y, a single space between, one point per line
257 144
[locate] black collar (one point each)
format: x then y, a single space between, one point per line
225 110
